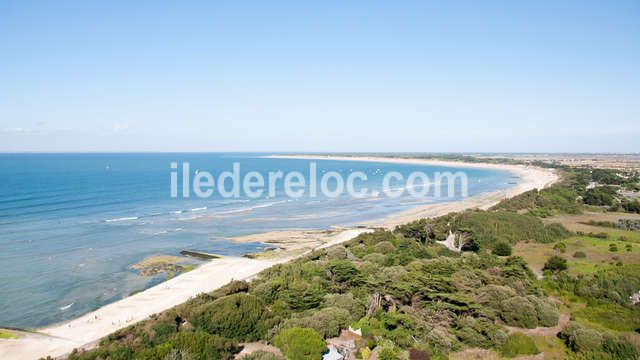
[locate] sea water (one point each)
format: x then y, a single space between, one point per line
71 225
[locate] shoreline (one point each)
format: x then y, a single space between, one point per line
530 177
82 332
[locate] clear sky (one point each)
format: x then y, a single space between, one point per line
504 76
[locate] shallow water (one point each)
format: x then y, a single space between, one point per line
72 224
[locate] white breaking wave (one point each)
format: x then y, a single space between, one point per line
63 308
251 208
122 219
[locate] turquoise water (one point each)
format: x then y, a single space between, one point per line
72 224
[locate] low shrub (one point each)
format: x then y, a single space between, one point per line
327 322
608 224
345 301
502 249
599 235
418 230
235 316
493 295
560 247
518 311
300 344
301 295
480 332
581 339
388 351
111 352
546 312
337 252
555 263
189 345
597 345
375 258
262 355
384 247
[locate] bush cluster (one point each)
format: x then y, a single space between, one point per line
596 344
528 312
238 316
300 344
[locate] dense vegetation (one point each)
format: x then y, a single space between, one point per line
484 230
413 297
403 292
600 196
567 195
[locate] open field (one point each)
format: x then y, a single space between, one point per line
578 223
599 252
607 317
603 161
598 255
552 347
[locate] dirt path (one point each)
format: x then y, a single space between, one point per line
250 348
542 331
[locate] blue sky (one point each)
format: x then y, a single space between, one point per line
503 76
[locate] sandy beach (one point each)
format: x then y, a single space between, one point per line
60 339
531 177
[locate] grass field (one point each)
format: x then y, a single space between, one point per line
576 223
611 317
599 252
552 347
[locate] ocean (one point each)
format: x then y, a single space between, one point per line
71 225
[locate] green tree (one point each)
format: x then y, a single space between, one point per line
301 295
579 255
581 339
631 206
518 311
300 344
560 247
600 196
236 316
327 322
555 263
343 271
502 249
418 230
